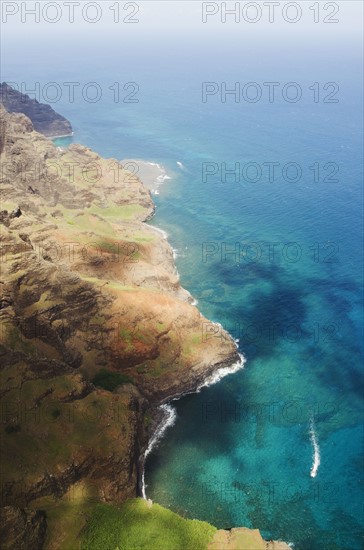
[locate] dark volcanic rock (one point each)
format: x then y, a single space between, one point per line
22 529
45 120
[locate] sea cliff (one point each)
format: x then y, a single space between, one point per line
89 294
45 120
96 333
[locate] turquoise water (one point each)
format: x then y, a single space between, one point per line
241 452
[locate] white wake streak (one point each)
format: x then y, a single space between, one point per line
316 450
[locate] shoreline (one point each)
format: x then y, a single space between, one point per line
166 416
151 174
61 136
209 366
163 413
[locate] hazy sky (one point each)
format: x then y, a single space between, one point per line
169 32
183 15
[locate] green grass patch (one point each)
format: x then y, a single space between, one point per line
142 369
196 339
109 380
16 341
154 369
143 237
109 247
126 337
147 419
116 212
66 517
191 343
8 205
111 284
125 334
135 526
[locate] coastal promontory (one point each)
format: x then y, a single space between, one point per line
95 333
45 119
96 330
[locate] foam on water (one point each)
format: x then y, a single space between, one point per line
170 414
168 421
316 450
222 372
160 231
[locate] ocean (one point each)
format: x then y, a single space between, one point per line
264 209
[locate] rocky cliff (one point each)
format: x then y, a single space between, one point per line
45 120
96 330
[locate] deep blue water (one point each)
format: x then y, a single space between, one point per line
241 452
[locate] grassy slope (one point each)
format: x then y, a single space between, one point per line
135 525
36 429
79 522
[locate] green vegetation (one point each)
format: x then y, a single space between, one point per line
8 205
138 526
154 369
66 516
125 334
191 343
143 237
109 380
147 419
111 284
114 212
142 369
126 337
106 246
15 340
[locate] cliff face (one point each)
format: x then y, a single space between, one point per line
87 288
22 529
45 119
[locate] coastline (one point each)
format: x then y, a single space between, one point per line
151 174
116 469
164 415
61 136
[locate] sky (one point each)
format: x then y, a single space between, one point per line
167 33
143 16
